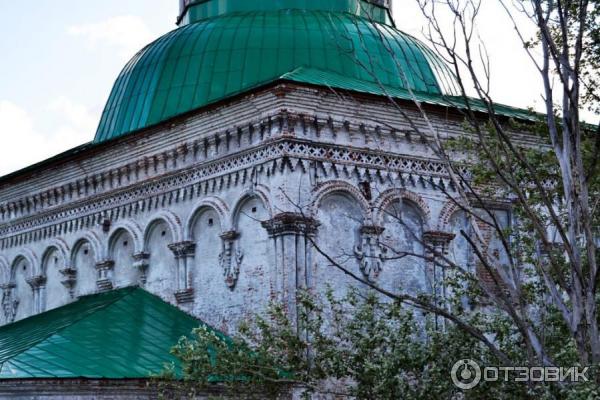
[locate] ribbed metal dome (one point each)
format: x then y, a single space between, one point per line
218 57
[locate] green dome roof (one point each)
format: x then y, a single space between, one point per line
231 51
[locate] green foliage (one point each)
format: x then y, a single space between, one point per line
356 346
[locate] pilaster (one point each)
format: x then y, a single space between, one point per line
370 252
437 244
292 234
105 271
38 286
184 253
141 262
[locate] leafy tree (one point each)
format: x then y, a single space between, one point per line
534 296
357 346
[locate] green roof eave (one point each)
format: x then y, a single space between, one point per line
122 334
335 81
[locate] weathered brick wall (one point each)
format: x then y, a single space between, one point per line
205 211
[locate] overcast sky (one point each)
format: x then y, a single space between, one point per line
60 59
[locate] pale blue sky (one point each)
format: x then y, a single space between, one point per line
44 58
60 59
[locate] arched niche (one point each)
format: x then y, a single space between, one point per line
459 250
341 217
253 239
252 254
22 270
160 275
121 249
205 231
83 260
403 226
56 294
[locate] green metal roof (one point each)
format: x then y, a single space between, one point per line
126 333
216 58
196 10
336 81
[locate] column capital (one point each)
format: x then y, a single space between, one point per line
8 286
37 281
141 262
70 275
105 265
183 249
290 223
438 237
372 230
230 235
438 242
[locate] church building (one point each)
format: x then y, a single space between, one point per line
228 149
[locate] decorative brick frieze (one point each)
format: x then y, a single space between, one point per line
189 183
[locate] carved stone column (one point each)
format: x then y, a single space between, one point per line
9 303
141 263
70 279
38 286
105 275
230 258
437 245
370 252
184 254
291 234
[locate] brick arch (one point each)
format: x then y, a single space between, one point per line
213 203
449 209
62 247
94 242
390 196
173 222
259 193
31 259
133 229
339 186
